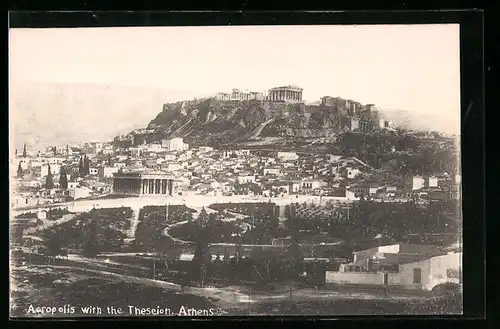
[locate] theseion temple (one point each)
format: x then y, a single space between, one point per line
136 183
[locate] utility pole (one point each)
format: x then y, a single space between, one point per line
166 212
154 267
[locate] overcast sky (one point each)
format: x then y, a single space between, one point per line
410 67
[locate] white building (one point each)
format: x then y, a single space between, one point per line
107 172
119 165
205 149
54 169
312 184
171 166
93 171
418 183
174 144
333 158
433 181
25 163
135 152
352 173
428 273
80 192
246 179
154 147
287 156
272 171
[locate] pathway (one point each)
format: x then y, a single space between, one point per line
134 221
47 223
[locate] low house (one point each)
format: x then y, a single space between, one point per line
406 273
42 214
287 156
107 172
331 158
352 172
312 184
428 273
363 260
418 183
80 192
119 165
276 171
244 179
73 184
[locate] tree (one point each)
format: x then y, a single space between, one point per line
63 179
203 218
225 256
294 254
90 245
80 167
19 171
54 150
67 149
24 151
49 180
200 259
86 165
54 244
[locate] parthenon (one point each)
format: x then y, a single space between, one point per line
134 183
292 94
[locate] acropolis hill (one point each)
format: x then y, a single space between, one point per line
229 118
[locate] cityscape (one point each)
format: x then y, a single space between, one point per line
240 203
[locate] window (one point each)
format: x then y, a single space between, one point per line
417 275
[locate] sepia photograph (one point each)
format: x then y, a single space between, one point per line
207 171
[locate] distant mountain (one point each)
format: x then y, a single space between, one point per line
436 121
43 114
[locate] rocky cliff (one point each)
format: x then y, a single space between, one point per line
213 122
